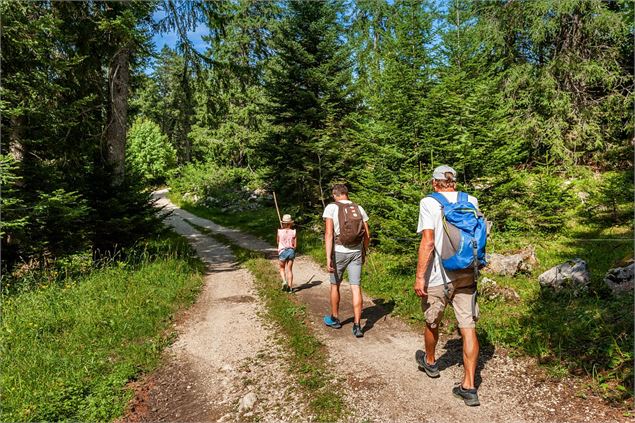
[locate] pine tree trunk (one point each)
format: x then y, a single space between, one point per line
187 113
16 145
118 82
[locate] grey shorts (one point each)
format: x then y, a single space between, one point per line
351 262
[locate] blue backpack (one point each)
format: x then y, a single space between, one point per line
469 226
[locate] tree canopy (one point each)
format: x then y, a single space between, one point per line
299 95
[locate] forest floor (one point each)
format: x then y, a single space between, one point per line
226 349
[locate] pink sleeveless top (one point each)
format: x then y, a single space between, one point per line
285 239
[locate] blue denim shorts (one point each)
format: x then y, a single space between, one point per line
287 254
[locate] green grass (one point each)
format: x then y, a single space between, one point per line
68 349
308 356
589 334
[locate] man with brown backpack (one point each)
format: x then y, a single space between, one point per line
347 237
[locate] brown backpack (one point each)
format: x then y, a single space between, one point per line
351 222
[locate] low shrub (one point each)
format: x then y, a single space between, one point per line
522 201
149 152
607 197
218 186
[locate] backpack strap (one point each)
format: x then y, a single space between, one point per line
340 213
462 197
440 198
338 278
475 294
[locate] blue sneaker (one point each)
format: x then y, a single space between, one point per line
332 322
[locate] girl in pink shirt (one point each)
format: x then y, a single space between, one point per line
286 252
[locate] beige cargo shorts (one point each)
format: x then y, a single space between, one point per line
461 292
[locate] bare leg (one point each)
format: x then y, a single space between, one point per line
356 290
289 272
470 356
335 300
430 337
282 274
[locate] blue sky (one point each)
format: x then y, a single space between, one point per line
170 38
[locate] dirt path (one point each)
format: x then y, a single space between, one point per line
382 382
224 352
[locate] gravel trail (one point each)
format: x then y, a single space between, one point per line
382 382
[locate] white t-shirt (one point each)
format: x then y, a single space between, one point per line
431 217
331 212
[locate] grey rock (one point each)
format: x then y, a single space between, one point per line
572 274
509 265
620 279
489 289
247 402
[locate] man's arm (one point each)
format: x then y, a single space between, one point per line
426 254
328 240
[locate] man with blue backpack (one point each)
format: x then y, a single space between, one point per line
453 237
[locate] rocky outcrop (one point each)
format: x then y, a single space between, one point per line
571 274
509 265
620 279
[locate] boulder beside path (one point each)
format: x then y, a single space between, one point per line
523 261
620 279
573 274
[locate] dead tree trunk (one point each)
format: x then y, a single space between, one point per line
118 82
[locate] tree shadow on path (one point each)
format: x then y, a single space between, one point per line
374 313
307 285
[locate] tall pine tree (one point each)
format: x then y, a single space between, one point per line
311 102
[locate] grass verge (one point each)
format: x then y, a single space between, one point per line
308 356
585 335
69 349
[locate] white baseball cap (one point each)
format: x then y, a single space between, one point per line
440 171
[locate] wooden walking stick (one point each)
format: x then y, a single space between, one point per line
275 201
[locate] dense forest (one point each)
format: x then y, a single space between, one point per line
293 96
532 102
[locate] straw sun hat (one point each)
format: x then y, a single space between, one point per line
287 219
